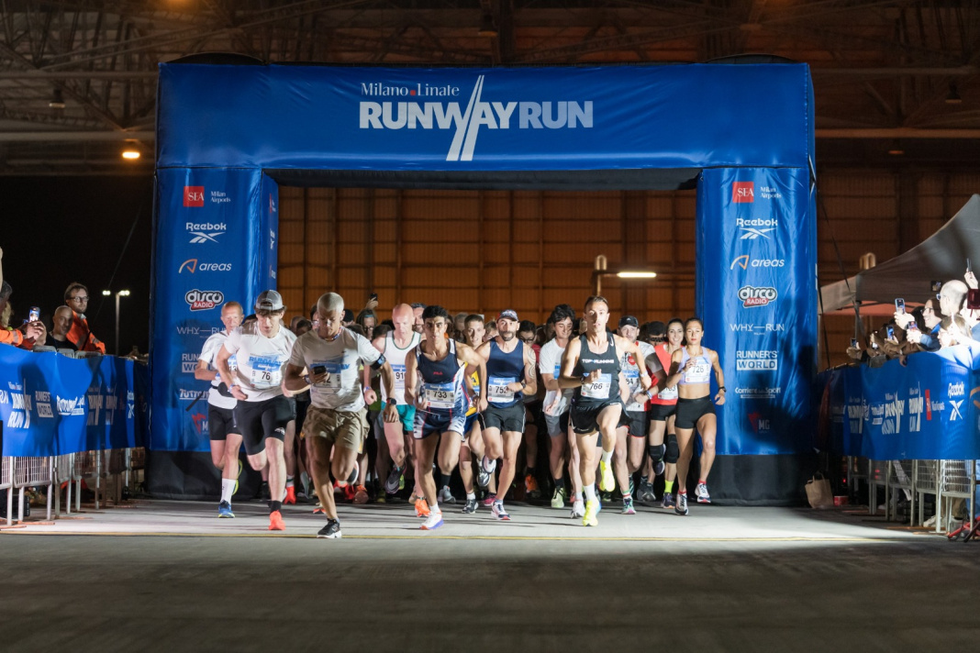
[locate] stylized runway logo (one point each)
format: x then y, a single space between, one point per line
563 114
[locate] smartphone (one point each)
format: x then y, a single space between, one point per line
374 296
900 305
854 343
913 326
969 268
319 369
874 345
890 332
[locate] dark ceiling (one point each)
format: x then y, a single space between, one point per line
888 76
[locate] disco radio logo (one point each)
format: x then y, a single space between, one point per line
203 300
752 297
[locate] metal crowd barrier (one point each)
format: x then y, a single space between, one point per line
925 481
20 474
958 481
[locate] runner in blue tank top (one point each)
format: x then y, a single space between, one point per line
510 373
690 370
590 365
439 364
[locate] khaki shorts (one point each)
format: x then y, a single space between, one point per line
341 428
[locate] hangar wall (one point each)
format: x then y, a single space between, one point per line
486 250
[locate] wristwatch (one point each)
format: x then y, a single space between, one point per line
391 402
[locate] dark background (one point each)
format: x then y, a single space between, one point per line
56 230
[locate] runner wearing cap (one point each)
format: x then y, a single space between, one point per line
223 431
556 407
510 373
262 412
327 359
395 346
629 454
591 365
442 402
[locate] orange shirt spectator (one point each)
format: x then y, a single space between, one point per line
76 296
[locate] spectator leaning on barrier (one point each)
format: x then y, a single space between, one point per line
32 331
926 336
76 297
60 324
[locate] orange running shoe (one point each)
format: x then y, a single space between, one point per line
349 493
290 496
275 521
361 495
531 487
421 508
319 510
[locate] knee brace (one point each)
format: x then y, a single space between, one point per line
673 451
656 452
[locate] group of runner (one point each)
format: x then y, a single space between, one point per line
614 404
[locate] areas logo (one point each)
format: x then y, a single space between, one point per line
743 192
193 196
191 265
203 300
745 262
752 297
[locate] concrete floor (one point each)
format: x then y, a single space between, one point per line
170 576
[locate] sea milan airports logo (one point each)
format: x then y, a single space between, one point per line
193 196
751 297
203 300
743 192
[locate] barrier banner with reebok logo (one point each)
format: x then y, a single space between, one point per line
756 292
52 405
215 242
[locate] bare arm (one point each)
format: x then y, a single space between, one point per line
202 373
411 376
675 369
530 371
294 379
719 376
231 378
568 362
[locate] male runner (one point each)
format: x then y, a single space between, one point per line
510 374
226 439
395 346
629 455
326 359
591 366
472 445
261 348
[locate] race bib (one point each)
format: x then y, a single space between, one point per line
699 373
668 393
399 371
497 391
265 372
598 389
440 395
332 383
632 377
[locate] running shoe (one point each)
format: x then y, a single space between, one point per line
331 531
498 511
607 482
421 507
658 467
591 510
668 501
239 476
394 480
349 493
471 506
489 500
433 522
353 476
702 491
558 499
531 487
578 509
275 521
446 496
680 507
628 508
290 498
646 493
487 468
224 510
361 495
319 510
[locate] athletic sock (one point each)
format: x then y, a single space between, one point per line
606 456
290 481
471 496
227 489
444 480
627 497
702 481
559 484
590 493
274 506
434 508
578 495
531 471
668 486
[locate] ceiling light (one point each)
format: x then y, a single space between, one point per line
953 97
487 28
130 154
57 100
896 149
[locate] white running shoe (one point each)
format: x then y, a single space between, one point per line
433 522
702 493
578 509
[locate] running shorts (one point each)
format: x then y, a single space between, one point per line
221 422
259 420
345 429
689 411
508 418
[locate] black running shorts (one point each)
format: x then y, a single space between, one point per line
259 420
221 422
510 418
689 411
660 412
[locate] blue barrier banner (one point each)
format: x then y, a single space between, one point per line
53 405
928 409
570 118
216 241
756 292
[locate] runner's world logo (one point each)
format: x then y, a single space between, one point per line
193 196
446 115
743 192
205 232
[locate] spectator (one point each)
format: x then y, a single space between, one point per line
459 326
926 336
32 331
60 325
954 331
417 308
76 297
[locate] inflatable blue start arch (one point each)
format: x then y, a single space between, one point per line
228 135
